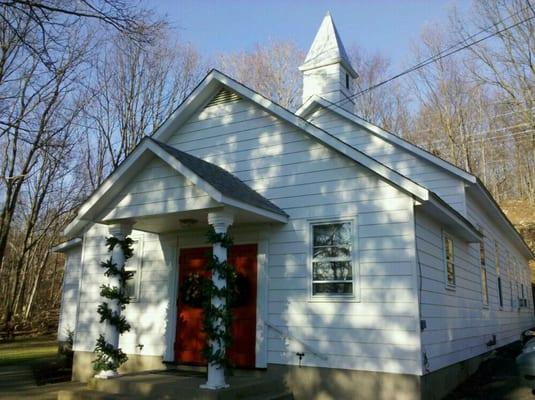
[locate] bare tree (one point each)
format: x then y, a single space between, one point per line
270 69
45 51
137 88
387 106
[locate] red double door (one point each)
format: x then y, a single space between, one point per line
190 338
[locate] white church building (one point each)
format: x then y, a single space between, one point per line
370 268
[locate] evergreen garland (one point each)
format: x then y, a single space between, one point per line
109 358
217 319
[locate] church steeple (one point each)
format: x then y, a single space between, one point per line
327 71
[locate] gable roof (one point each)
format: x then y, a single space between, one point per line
201 95
215 80
473 182
221 180
327 48
219 184
316 101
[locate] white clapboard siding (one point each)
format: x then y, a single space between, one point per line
70 293
147 314
458 323
447 186
149 194
310 181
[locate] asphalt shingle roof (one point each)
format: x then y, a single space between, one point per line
223 181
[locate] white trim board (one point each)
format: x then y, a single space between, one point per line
315 102
132 165
213 83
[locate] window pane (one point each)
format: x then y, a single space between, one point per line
500 291
130 288
332 288
321 253
484 286
332 234
451 273
332 271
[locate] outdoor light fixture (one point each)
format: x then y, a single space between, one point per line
187 222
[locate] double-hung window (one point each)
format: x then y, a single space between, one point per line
133 265
497 258
483 264
449 260
332 259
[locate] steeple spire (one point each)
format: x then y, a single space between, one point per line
327 71
327 48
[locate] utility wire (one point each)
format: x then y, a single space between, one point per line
440 55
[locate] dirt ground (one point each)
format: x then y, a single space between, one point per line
496 379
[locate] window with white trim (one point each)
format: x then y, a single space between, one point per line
133 265
449 261
483 267
332 259
509 268
497 262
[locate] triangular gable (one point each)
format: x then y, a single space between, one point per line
213 83
220 185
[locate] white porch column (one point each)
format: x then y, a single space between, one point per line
220 221
119 231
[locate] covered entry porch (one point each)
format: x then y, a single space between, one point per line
177 197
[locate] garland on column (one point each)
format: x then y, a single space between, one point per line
217 319
109 358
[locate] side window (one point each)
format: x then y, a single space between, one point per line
483 266
133 265
332 259
449 261
511 278
497 258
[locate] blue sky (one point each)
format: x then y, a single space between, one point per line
387 26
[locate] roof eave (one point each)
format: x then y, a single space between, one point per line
496 210
316 101
67 245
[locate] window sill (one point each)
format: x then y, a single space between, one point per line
334 299
451 288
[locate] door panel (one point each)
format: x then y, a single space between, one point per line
190 338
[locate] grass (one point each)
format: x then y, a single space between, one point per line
27 351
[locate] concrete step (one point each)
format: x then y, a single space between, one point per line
277 396
86 394
171 386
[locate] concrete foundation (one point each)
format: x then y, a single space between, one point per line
324 383
335 384
82 368
437 384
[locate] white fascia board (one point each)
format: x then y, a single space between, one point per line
455 221
255 210
199 97
113 183
212 192
109 185
69 244
186 172
494 209
316 101
324 137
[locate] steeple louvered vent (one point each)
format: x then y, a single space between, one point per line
224 96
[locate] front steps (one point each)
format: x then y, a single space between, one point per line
176 384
